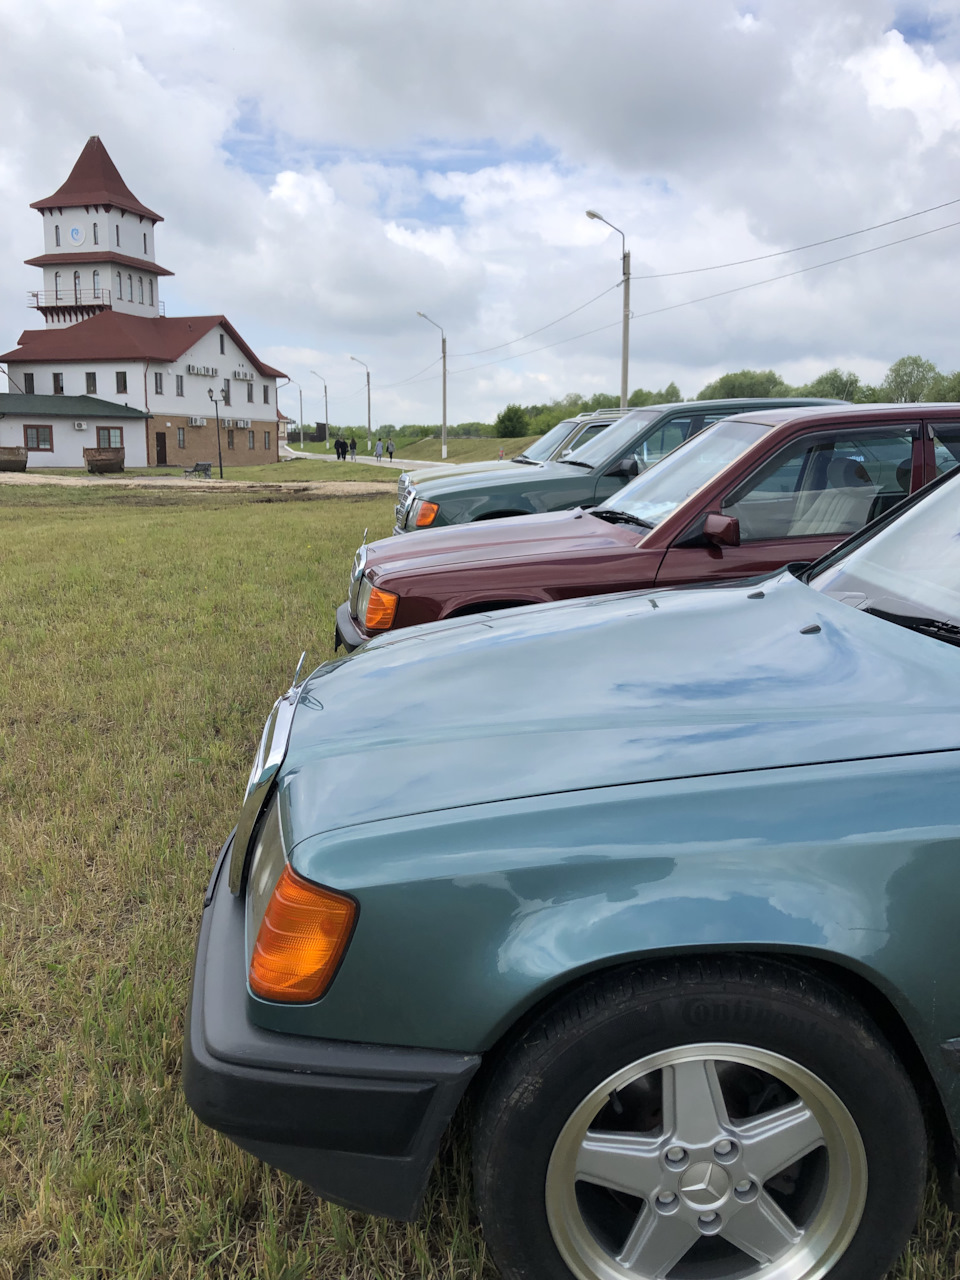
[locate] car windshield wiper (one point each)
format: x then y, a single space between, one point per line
935 627
619 517
575 462
522 457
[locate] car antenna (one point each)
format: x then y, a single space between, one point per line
296 674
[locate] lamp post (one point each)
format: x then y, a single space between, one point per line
625 352
216 409
368 399
300 389
443 353
326 411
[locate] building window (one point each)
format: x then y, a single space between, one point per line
28 384
58 384
150 287
129 288
56 235
158 384
140 290
118 235
251 439
119 287
91 384
229 439
96 284
179 384
144 242
38 439
249 393
181 437
96 234
266 439
121 383
223 345
76 286
226 391
109 437
266 393
56 285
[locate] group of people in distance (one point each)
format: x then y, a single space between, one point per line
342 446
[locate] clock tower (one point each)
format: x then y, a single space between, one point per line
98 242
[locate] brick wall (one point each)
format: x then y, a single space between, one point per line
200 443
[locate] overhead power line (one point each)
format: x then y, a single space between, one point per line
722 293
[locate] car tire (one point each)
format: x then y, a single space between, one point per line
640 1127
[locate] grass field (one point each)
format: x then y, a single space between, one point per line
143 637
297 470
482 449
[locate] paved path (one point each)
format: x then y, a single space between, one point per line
398 464
331 488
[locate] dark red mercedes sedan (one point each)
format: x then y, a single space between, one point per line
743 498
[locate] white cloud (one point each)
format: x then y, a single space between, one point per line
326 171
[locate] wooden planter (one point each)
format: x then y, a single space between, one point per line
103 461
13 458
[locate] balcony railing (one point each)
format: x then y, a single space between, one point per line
70 297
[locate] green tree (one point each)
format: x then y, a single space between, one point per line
945 386
747 384
669 395
512 421
835 384
909 379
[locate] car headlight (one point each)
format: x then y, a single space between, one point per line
422 514
376 609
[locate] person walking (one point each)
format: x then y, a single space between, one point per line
378 451
353 448
390 448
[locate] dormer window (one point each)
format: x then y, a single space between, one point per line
56 234
96 234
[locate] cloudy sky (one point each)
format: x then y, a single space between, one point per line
326 170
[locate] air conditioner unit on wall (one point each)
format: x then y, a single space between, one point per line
196 422
226 422
243 424
79 426
242 375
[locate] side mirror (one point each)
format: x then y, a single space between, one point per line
626 467
723 531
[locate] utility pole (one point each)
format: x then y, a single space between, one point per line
625 344
368 400
443 356
326 411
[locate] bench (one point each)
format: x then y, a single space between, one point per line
198 469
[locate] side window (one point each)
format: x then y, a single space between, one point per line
820 485
946 446
585 435
660 441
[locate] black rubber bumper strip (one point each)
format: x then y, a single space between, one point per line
361 1124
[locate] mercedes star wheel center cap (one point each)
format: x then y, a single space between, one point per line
704 1186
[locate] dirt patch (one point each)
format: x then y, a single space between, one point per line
324 488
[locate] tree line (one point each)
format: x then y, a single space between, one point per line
908 380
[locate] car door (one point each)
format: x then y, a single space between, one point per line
650 446
800 502
941 448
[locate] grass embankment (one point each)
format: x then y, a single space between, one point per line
143 638
474 449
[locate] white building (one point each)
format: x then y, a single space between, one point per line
107 336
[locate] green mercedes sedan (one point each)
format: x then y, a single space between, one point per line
659 889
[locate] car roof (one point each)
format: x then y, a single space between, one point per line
779 417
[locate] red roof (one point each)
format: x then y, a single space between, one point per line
95 179
97 255
114 335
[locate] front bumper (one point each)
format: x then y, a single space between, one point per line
347 631
359 1123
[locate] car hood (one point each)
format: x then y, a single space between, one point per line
610 691
451 548
430 484
448 469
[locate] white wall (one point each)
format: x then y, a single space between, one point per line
132 231
69 444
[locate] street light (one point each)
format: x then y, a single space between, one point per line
300 389
326 411
367 367
625 353
217 401
443 352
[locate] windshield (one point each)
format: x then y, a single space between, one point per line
658 492
910 566
552 440
614 440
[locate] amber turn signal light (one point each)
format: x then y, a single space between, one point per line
381 610
301 939
427 514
